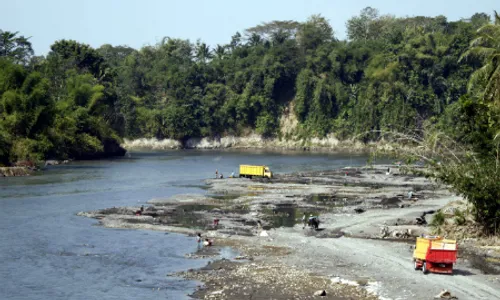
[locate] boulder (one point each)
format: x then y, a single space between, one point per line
320 293
445 294
52 162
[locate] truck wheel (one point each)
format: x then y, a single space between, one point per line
424 268
416 265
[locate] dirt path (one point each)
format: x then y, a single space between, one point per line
388 264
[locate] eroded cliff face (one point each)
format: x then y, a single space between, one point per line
255 141
289 139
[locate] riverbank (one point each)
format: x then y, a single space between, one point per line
349 257
27 168
15 171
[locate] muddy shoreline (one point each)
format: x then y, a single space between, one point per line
362 249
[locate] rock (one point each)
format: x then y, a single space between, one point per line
52 163
445 294
241 257
336 280
321 293
397 234
264 233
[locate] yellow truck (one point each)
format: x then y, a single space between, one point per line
249 171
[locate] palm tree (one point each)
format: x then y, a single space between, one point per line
280 36
254 39
6 42
220 51
15 47
487 47
203 52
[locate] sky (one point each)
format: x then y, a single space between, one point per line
138 23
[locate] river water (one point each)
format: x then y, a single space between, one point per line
47 252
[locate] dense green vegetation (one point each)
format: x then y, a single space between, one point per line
472 162
416 76
62 106
392 73
463 144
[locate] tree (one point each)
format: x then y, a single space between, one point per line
305 90
220 51
68 54
114 56
254 40
267 29
17 48
315 32
280 36
235 41
362 27
480 19
203 52
486 80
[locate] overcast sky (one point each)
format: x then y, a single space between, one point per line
138 23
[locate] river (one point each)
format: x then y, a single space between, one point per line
47 252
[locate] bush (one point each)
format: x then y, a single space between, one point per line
438 220
478 183
459 217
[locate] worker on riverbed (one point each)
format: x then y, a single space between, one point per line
216 174
259 225
313 222
207 242
304 221
198 237
139 212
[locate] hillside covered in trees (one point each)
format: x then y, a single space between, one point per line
425 81
391 74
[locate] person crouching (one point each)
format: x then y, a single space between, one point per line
313 222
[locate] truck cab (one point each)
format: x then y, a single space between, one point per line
267 172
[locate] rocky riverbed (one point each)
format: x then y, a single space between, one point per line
362 249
